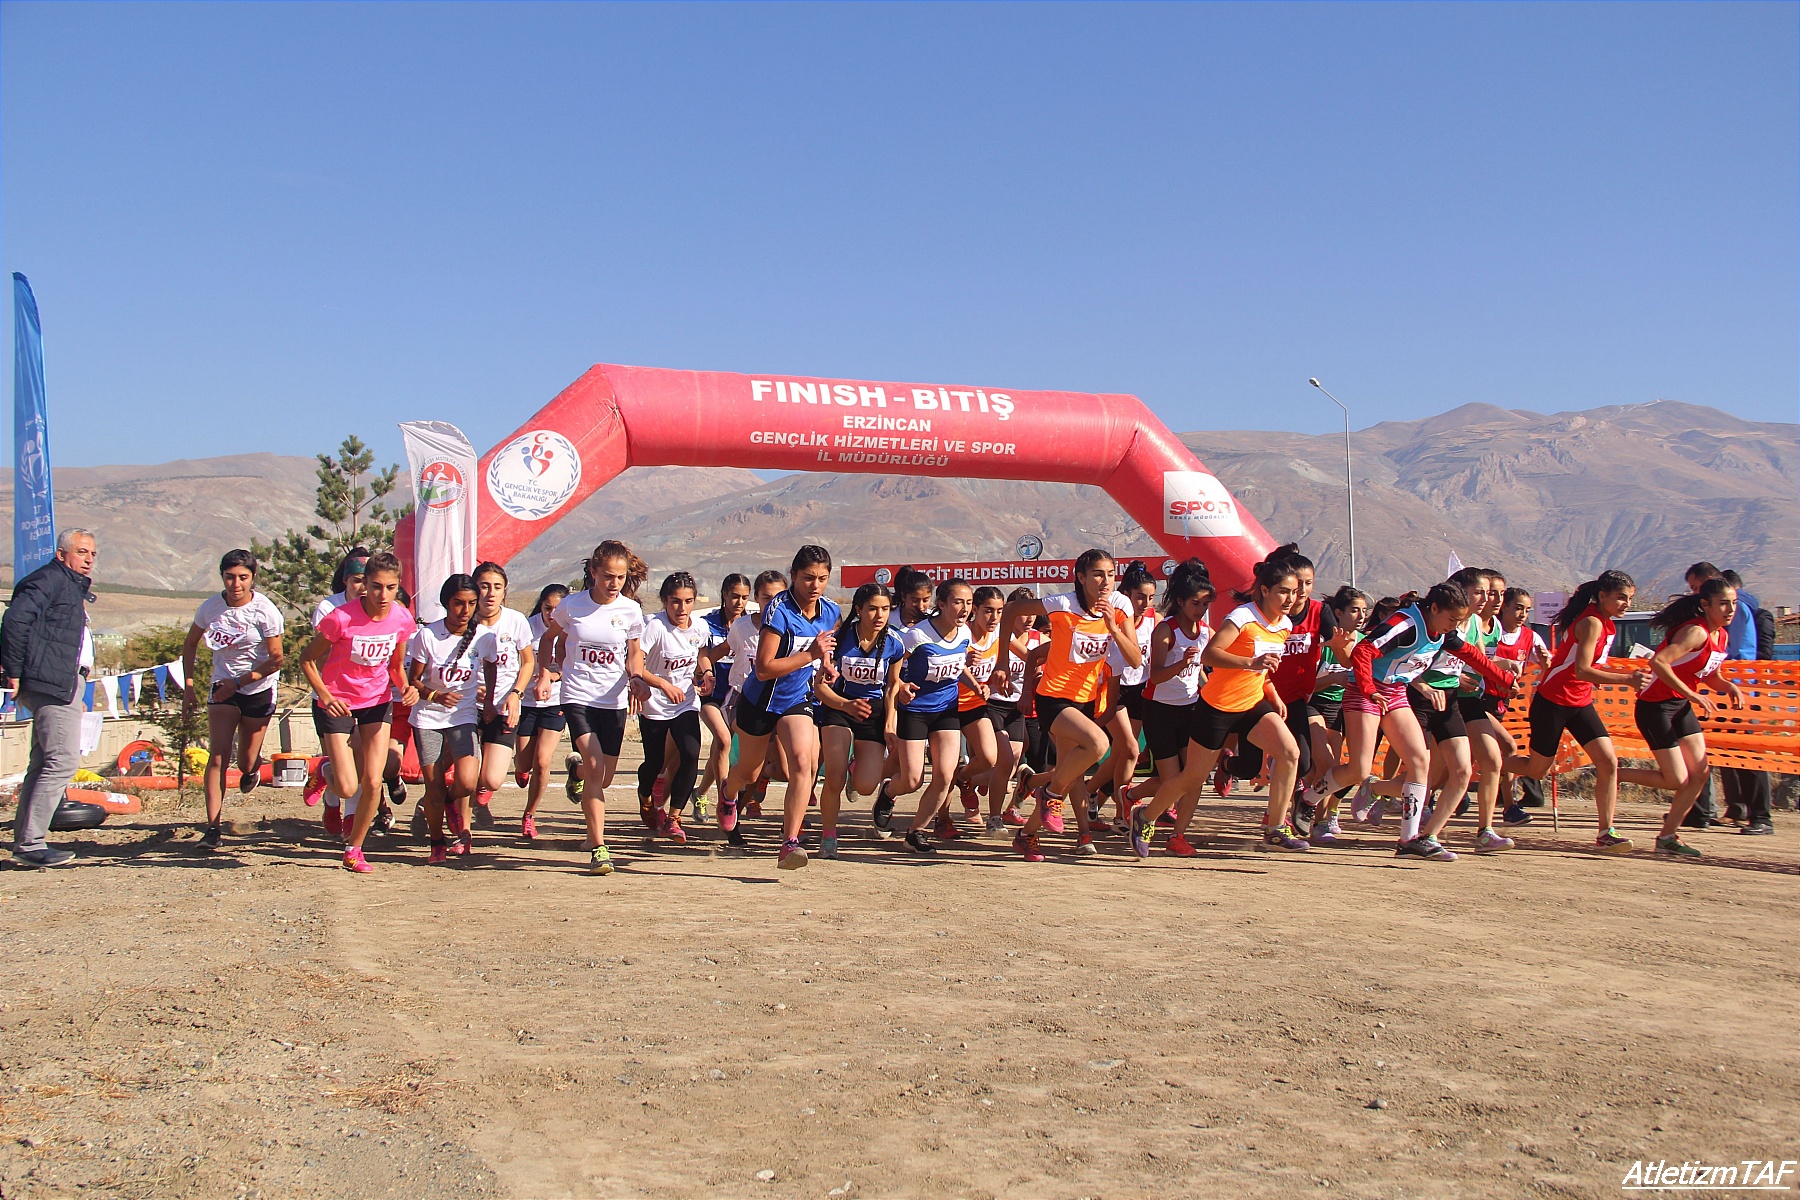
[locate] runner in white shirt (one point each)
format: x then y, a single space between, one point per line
1125 691
592 644
739 648
540 721
502 693
734 601
445 660
242 628
673 678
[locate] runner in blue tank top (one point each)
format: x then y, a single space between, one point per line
937 655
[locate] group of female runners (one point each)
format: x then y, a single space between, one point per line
1037 705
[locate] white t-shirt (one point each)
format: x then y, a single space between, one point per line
236 635
334 601
742 639
1123 671
1183 687
510 632
673 654
530 700
596 648
434 646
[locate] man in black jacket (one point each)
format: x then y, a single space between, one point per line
46 655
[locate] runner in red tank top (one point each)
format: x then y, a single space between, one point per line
1315 626
1564 698
1697 629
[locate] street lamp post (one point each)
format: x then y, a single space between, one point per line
1349 487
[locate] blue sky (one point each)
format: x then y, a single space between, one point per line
259 227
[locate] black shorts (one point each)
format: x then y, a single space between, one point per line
606 724
1299 723
1039 753
1211 726
756 721
1331 710
1166 728
1549 719
872 730
1051 707
1476 707
918 727
1445 724
257 706
966 717
1131 699
1007 720
1665 722
374 714
495 732
541 720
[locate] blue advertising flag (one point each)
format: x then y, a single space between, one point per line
34 506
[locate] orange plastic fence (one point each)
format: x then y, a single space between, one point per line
1764 735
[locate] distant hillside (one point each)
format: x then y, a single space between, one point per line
1548 499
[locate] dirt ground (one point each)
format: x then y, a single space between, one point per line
259 1023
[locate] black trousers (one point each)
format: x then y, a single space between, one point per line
1747 794
684 728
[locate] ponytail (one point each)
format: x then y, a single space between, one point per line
1587 593
1136 575
1682 609
1189 579
846 633
453 585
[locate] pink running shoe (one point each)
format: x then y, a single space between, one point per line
528 828
673 831
728 814
315 789
440 853
946 828
658 790
334 822
971 799
1052 807
453 818
1012 817
1027 846
354 861
522 778
483 797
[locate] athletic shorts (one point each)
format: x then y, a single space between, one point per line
606 724
257 706
495 732
1387 697
1476 707
1007 720
1331 710
872 730
541 720
918 727
1211 726
1131 699
1166 728
374 714
1549 719
1445 724
1665 722
1051 707
458 741
753 721
1038 751
966 717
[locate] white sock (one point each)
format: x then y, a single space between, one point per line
332 800
1412 810
350 804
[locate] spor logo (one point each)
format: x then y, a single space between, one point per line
441 485
1196 504
534 474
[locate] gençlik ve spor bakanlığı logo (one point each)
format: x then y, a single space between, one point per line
534 474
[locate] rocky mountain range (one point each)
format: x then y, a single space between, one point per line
1549 499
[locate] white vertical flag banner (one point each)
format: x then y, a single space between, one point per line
443 471
1456 564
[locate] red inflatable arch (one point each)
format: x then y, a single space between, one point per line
615 417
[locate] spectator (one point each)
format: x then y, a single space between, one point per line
1747 793
46 654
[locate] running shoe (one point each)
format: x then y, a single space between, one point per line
396 790
1281 837
946 828
1221 780
1462 810
919 843
1052 807
734 837
384 821
1377 811
1326 831
465 845
211 838
600 861
315 789
440 852
673 830
484 816
1027 845
528 827
1611 842
1674 845
1012 817
454 819
334 822
1180 847
700 808
1363 800
354 861
1303 816
728 815
1489 842
1167 818
828 846
753 809
1515 815
248 781
793 856
1099 824
993 825
647 814
1759 829
658 790
1141 832
521 778
882 814
971 799
1084 845
572 785
1427 848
